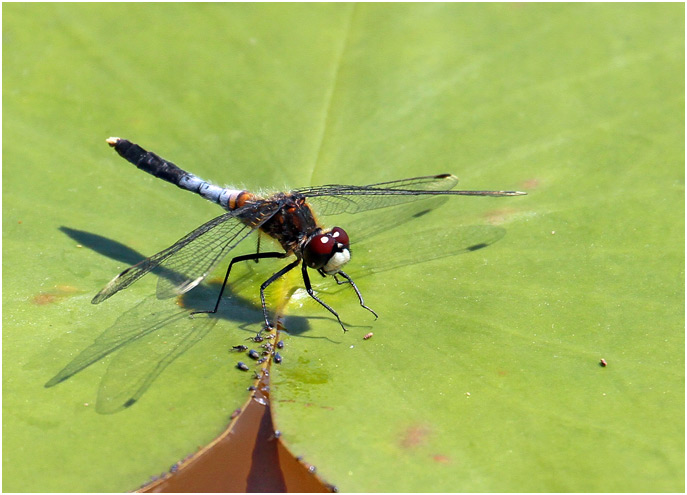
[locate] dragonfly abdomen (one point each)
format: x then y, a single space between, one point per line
162 169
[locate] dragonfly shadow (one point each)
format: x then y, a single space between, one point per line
105 246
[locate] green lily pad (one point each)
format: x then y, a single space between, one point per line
483 371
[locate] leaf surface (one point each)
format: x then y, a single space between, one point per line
483 371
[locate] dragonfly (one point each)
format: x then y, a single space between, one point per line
287 217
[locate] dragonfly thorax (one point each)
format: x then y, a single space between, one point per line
327 252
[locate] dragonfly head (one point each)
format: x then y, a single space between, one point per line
327 251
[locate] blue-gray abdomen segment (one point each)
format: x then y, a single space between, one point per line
162 169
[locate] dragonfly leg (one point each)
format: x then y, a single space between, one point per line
257 248
308 287
245 257
267 282
357 291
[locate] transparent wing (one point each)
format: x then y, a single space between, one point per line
164 337
425 183
335 199
191 263
187 262
427 245
148 340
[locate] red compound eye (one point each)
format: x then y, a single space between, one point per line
340 235
321 244
318 251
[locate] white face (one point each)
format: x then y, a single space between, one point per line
336 262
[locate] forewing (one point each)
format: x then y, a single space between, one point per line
193 261
187 262
335 199
441 182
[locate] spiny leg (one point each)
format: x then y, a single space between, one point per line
267 282
245 257
355 288
308 287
